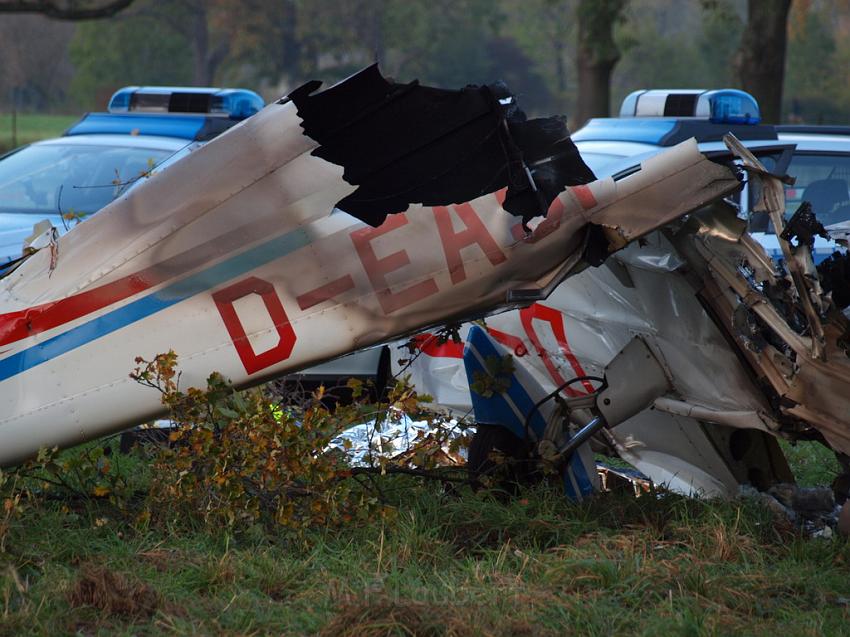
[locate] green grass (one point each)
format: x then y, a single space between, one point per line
32 127
445 563
812 463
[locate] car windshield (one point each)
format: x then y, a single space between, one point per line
70 178
821 179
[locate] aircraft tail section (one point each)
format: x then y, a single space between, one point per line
506 395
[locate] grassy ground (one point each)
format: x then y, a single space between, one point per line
31 127
445 563
812 463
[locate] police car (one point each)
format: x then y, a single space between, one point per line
66 179
651 120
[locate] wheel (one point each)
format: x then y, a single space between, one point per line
487 471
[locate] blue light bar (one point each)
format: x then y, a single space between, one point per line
235 103
721 106
190 127
731 106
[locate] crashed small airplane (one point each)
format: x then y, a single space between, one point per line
328 222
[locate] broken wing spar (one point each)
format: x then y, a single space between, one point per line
236 259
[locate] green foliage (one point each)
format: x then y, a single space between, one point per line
496 379
598 19
128 50
544 31
77 559
692 49
238 459
813 464
274 46
83 476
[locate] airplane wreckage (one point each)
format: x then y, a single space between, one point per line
338 219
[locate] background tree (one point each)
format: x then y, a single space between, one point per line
686 48
548 51
36 69
761 57
209 27
596 55
547 41
129 50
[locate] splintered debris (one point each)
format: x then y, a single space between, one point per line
405 143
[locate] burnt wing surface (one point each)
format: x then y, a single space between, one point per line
405 143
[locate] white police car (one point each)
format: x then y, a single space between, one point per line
651 120
68 178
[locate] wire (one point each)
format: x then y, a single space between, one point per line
554 393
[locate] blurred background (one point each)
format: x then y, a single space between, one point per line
576 57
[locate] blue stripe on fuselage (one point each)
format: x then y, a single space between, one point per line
480 341
153 303
495 410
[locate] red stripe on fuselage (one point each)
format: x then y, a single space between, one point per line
34 320
430 345
585 196
19 325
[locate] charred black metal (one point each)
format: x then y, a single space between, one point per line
804 227
834 272
405 143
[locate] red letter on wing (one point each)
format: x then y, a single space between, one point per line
475 234
224 300
378 268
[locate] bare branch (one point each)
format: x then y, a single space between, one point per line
67 9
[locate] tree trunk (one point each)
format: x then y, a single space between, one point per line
596 56
291 52
200 46
560 71
761 57
206 59
594 90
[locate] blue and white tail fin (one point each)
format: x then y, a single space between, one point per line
511 397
